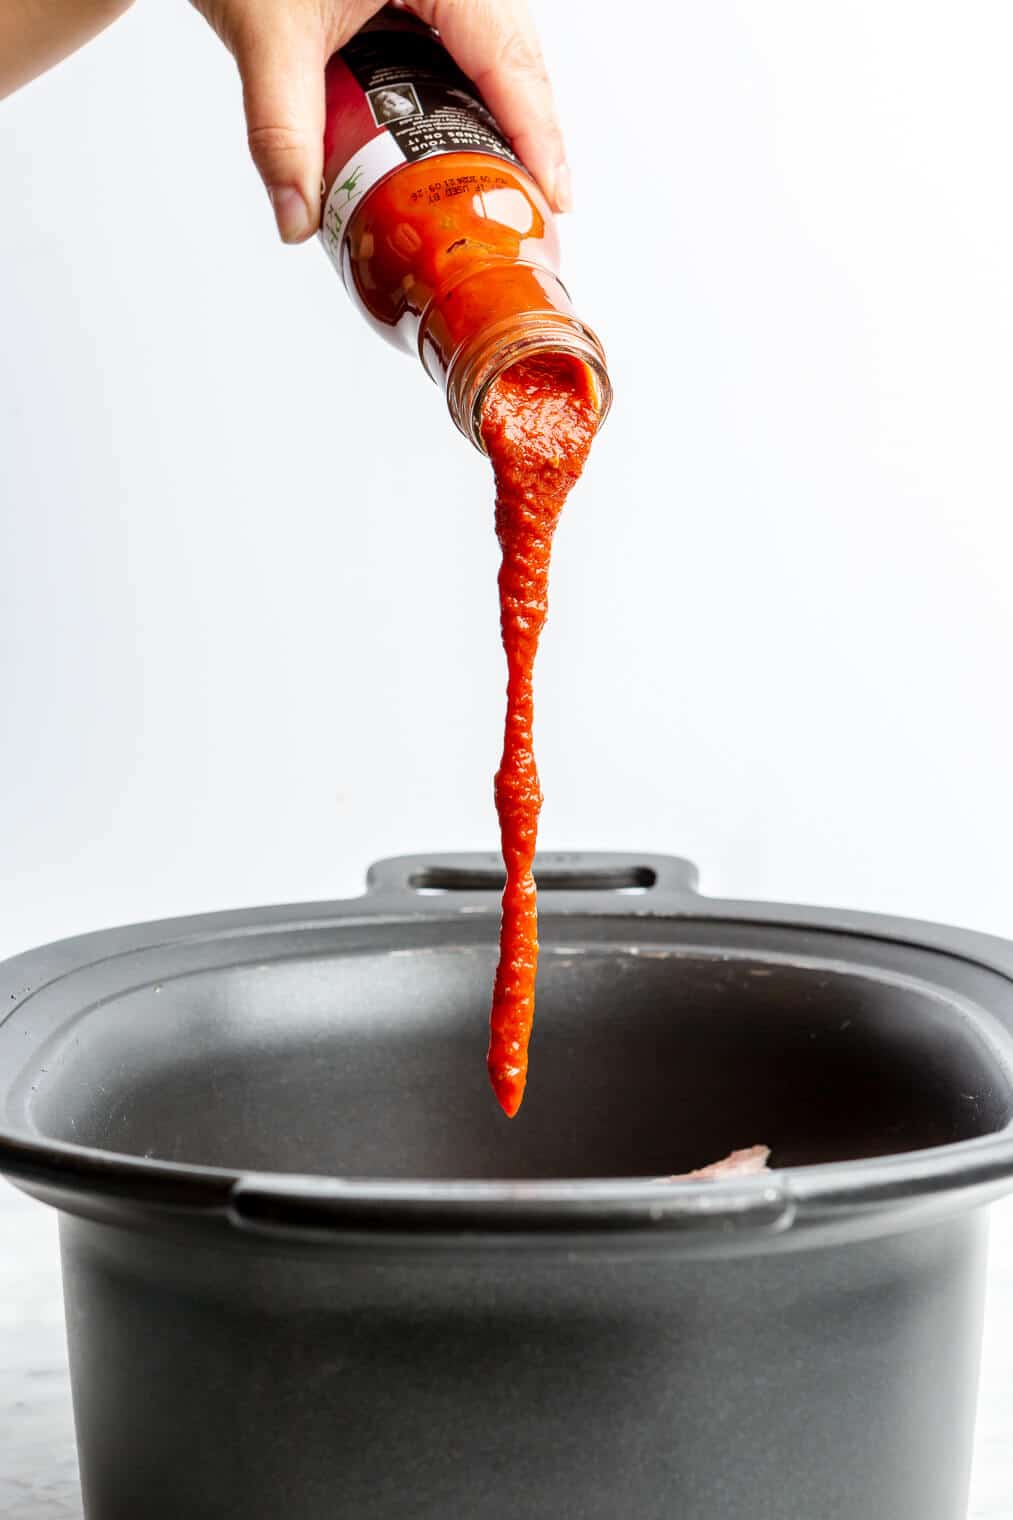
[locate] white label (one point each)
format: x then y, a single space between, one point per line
351 183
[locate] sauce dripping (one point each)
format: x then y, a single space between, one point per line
538 423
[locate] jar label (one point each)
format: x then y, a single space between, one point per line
395 95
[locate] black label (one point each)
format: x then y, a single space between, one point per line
415 89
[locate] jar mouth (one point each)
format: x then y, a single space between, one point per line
475 368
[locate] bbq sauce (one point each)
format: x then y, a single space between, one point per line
539 420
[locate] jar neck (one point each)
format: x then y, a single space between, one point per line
494 317
494 351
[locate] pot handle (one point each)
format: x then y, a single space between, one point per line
431 1215
424 877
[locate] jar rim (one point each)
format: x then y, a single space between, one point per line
476 366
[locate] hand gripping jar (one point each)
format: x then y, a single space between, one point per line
441 236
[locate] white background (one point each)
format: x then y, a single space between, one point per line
249 633
249 630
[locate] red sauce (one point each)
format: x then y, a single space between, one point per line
538 423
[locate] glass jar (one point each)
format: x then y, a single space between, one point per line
442 238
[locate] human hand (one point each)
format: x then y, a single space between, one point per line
282 48
34 36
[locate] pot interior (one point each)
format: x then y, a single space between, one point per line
648 1058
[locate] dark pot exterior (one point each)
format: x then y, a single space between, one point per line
227 1385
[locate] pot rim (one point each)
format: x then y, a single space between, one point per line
904 1185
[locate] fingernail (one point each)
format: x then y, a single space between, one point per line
290 212
563 188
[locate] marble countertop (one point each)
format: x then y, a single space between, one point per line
38 1471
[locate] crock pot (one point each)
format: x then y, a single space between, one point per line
311 1270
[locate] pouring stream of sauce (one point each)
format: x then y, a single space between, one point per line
539 420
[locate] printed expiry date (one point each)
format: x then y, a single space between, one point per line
444 189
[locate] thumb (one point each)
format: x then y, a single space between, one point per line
282 70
